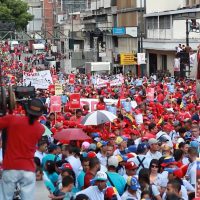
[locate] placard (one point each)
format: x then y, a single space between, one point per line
58 89
150 94
40 79
55 104
74 102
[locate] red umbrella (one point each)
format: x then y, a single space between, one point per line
71 134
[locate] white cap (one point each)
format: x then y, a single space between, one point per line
113 161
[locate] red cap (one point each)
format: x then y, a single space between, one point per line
131 165
91 154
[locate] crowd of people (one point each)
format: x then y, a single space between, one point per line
153 158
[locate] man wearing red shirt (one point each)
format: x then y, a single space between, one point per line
22 135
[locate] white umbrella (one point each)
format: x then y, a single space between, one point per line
98 117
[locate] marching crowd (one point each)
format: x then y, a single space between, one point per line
153 158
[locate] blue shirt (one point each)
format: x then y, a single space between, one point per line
80 180
118 181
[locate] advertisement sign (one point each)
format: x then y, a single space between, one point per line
55 104
141 58
40 79
132 31
74 102
58 89
119 31
150 94
72 79
127 59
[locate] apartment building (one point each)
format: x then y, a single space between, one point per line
166 29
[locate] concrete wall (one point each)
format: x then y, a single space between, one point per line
126 45
163 5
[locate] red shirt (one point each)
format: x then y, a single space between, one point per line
21 142
87 178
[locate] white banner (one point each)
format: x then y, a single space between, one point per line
40 79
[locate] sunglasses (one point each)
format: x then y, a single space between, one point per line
154 166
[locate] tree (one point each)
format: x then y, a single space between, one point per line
17 11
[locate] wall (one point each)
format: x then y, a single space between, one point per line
153 6
127 19
126 45
121 4
48 15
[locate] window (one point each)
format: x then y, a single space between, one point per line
164 62
164 22
115 41
152 23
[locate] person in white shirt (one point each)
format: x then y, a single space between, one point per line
97 192
74 162
153 152
141 160
41 150
191 172
102 154
133 190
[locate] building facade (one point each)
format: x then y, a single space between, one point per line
166 29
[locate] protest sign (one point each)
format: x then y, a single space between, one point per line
71 79
40 79
150 94
52 89
58 89
139 118
75 101
55 104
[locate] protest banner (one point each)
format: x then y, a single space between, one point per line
58 89
74 102
72 79
55 105
150 94
40 79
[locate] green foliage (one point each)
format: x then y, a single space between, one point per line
15 10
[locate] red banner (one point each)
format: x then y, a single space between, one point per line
55 104
71 79
75 101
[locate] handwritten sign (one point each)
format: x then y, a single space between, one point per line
55 104
40 79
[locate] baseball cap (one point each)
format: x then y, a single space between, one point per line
85 145
113 161
91 154
100 176
66 166
92 147
101 143
120 139
168 161
110 192
131 148
194 144
94 135
133 183
152 141
142 147
131 165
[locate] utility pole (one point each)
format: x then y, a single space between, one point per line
187 33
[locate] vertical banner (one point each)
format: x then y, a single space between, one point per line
55 104
150 94
72 79
75 101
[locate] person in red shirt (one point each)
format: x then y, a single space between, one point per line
94 165
78 117
22 134
101 105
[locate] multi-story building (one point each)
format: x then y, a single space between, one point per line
35 8
166 29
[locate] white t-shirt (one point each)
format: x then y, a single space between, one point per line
156 155
94 193
128 195
102 159
191 172
75 163
39 155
